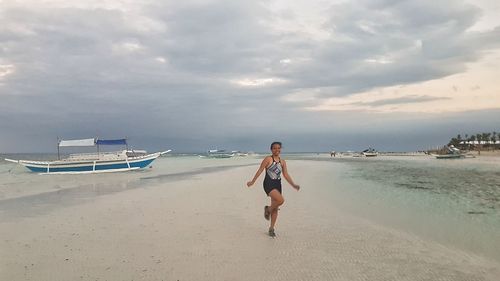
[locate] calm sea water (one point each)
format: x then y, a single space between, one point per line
454 202
17 181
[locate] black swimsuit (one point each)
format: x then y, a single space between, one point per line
273 177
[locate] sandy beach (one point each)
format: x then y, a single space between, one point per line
487 153
209 226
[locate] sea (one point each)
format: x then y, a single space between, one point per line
453 202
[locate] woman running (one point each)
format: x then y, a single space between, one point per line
274 166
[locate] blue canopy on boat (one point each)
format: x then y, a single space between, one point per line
111 142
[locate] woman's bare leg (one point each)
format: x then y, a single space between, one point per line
276 201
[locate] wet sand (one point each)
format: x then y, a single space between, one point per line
211 227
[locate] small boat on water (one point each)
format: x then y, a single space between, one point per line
370 152
449 156
452 153
348 153
239 153
99 162
218 153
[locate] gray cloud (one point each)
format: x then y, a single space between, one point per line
163 72
423 40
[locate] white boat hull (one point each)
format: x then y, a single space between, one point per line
89 166
449 156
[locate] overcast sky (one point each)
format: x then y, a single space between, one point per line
194 75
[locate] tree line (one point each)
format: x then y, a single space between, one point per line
479 139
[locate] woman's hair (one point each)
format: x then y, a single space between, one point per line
275 142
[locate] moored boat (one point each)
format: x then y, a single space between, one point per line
370 152
219 153
452 153
348 153
449 156
100 162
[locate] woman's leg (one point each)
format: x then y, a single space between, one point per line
276 201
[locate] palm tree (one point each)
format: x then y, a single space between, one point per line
454 142
486 138
466 142
458 140
494 139
479 138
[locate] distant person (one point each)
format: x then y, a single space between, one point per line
274 166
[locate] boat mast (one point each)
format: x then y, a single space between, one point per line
58 155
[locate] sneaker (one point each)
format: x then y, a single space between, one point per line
267 214
271 232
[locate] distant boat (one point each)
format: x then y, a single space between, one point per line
452 153
449 156
348 153
370 152
239 153
218 153
99 162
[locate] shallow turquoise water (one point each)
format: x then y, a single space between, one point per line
17 181
454 202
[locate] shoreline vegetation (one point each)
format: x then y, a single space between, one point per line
479 141
486 144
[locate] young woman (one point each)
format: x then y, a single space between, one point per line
275 167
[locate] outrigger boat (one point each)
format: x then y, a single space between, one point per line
452 153
218 153
370 152
100 162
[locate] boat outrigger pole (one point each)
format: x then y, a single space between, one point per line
58 155
97 145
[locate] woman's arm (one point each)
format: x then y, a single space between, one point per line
287 176
259 171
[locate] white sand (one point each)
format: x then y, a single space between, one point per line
211 227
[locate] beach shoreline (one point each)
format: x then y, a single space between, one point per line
210 227
486 153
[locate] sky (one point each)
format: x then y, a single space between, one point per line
194 75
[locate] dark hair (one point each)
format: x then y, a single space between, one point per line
276 142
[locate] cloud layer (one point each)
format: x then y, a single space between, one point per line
195 74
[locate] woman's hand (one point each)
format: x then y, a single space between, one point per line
296 186
250 183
